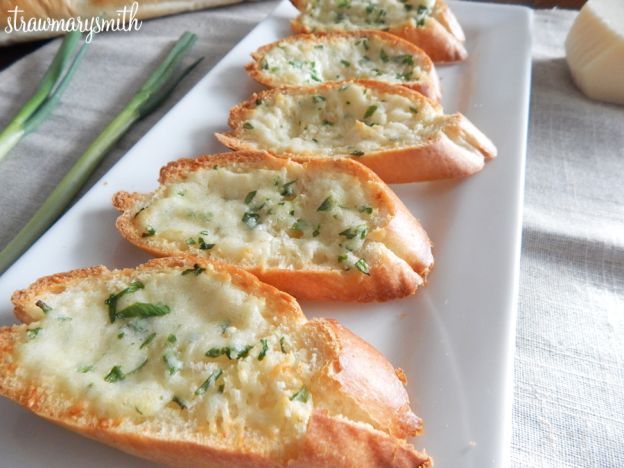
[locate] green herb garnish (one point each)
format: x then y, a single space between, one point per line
359 231
221 388
318 99
33 332
250 196
301 395
248 126
370 111
196 270
288 190
317 230
282 344
357 153
406 59
149 232
362 266
143 310
240 354
383 56
85 369
208 382
43 306
365 209
115 375
111 302
231 352
265 348
413 110
327 204
147 340
203 245
345 63
172 338
215 352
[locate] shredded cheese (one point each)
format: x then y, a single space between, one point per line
216 359
303 61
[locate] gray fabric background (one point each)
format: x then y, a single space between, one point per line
569 368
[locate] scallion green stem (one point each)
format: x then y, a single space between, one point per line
152 93
28 117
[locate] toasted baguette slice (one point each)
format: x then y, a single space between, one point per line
429 24
320 230
190 363
306 59
397 132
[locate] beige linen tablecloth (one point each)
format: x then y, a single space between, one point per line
569 368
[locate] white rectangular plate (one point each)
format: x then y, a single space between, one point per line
455 338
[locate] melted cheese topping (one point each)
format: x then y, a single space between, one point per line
328 15
345 121
174 366
288 218
335 58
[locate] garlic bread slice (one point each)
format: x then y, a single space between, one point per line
190 363
395 131
319 230
309 59
429 24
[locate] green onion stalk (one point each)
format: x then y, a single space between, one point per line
47 95
154 91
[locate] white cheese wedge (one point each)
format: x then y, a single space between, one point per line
595 50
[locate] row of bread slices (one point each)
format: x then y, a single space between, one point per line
294 205
190 361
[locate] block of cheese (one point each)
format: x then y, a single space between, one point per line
595 50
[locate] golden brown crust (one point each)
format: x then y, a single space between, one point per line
360 373
363 380
358 448
397 273
441 37
458 149
428 84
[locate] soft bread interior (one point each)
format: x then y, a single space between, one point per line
289 217
188 351
323 15
307 60
160 367
343 120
